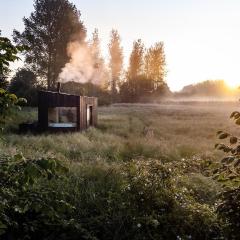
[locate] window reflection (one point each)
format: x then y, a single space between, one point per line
62 117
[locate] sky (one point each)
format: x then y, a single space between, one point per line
201 38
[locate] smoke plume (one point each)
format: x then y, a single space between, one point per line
82 66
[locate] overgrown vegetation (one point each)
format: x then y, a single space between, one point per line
228 174
142 174
8 101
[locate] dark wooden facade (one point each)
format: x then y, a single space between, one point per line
84 106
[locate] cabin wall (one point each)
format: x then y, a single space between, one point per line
48 100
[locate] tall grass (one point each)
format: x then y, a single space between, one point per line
179 131
122 162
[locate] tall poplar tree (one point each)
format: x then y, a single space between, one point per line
101 74
135 69
116 61
155 64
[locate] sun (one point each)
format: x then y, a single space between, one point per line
233 83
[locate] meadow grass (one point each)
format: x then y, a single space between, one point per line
144 165
179 131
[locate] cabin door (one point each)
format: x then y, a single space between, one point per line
89 115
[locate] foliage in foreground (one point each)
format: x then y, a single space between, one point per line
8 54
141 200
8 102
28 203
228 174
138 200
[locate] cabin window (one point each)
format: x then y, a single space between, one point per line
62 117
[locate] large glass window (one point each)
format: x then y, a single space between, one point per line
62 117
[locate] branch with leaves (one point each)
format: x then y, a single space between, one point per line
228 175
8 53
8 101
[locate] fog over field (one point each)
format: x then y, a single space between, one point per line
187 128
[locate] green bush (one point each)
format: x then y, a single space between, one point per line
8 102
139 200
30 208
227 174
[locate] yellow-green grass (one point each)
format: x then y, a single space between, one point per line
178 130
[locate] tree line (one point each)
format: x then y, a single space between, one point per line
52 26
208 88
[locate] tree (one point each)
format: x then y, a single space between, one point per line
155 64
208 88
136 60
25 84
95 47
135 69
48 30
116 61
101 74
8 53
140 93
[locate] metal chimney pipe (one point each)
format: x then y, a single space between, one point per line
58 87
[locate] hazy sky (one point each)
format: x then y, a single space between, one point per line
201 37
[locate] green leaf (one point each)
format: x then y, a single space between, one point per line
19 157
22 100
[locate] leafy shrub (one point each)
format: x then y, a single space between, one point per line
30 208
8 102
8 54
139 200
228 174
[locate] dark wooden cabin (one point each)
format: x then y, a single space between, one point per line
59 111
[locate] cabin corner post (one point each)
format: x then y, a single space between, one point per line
95 112
42 111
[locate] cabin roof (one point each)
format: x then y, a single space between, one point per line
63 93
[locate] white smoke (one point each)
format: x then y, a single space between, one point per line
82 67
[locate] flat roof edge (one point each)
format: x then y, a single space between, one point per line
62 93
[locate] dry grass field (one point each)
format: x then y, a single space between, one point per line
169 130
